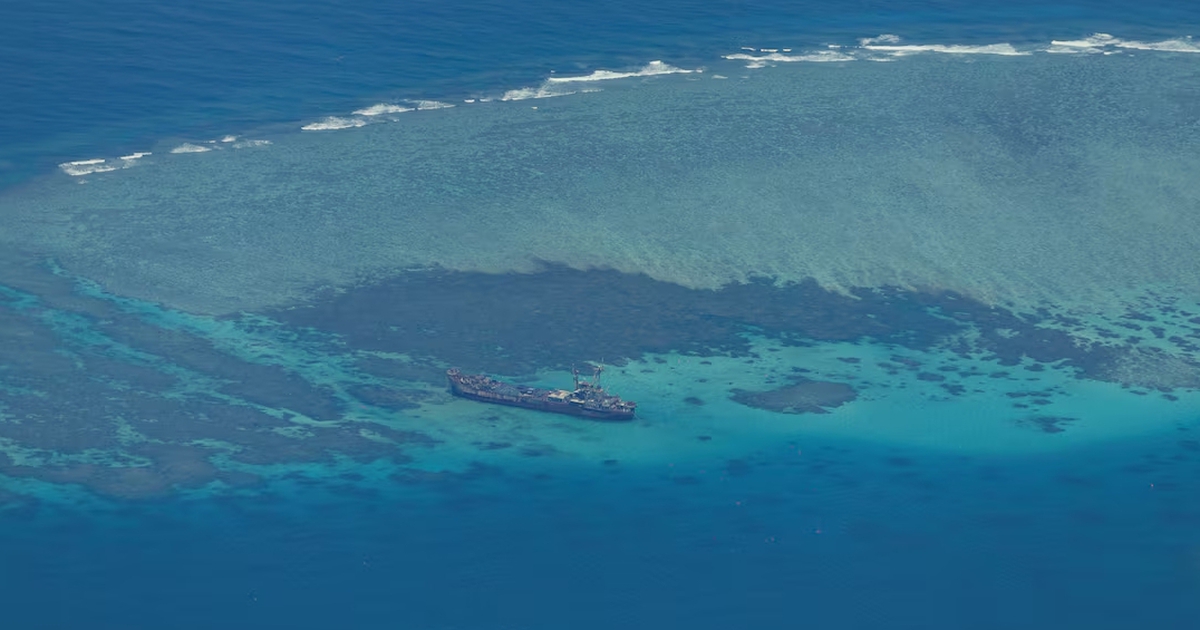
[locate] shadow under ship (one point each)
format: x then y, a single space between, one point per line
588 400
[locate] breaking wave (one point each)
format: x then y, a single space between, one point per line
425 105
885 47
891 44
87 167
563 86
547 90
888 47
80 168
1107 44
381 109
334 122
188 147
759 61
654 68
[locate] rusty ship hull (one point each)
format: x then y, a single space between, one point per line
585 401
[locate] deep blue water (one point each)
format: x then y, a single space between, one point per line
872 539
847 534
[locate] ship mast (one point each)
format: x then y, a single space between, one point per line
593 383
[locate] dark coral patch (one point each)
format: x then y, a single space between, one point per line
483 321
540 450
738 468
267 385
393 398
954 389
1047 424
173 467
474 471
803 396
1078 481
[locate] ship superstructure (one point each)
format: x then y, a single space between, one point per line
587 400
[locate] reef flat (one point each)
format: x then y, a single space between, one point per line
132 399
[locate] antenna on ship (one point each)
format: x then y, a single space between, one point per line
575 373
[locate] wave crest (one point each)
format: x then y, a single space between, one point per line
87 167
188 147
891 44
654 68
382 108
330 123
758 61
1107 44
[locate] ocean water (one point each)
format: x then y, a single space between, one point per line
907 293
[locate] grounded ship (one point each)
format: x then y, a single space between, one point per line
588 400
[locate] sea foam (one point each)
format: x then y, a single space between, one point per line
79 168
1181 45
87 167
334 122
565 86
547 90
891 44
427 104
382 108
759 61
654 68
188 147
391 108
1108 44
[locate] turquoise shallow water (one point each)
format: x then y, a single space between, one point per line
912 319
